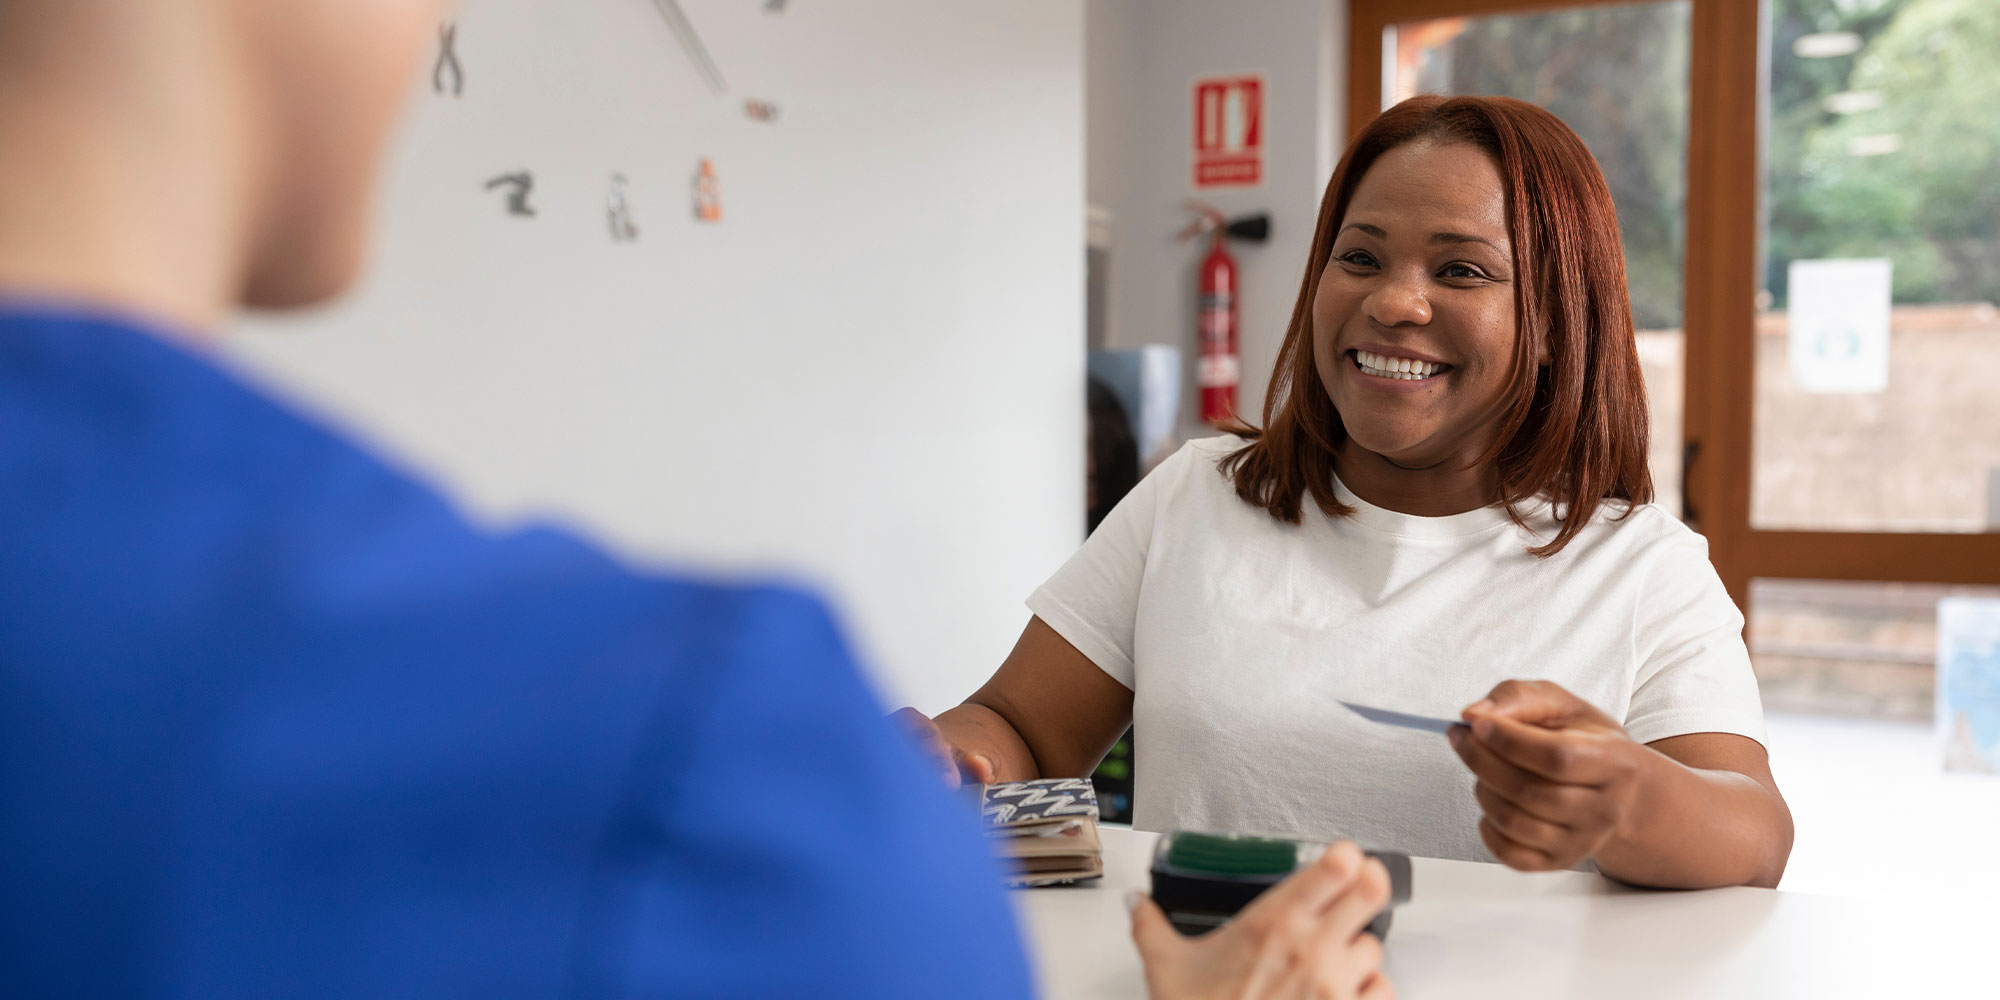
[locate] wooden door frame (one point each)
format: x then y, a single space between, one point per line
1719 316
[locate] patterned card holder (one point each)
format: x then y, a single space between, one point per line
1044 800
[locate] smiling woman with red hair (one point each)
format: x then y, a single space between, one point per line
1568 421
1447 503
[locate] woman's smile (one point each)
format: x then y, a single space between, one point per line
1391 370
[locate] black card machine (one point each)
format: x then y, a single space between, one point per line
1201 880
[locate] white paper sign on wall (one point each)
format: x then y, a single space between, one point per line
1839 325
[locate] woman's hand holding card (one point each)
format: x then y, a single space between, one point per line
1558 779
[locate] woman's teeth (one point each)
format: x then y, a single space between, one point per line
1384 366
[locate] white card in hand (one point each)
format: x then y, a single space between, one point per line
1403 719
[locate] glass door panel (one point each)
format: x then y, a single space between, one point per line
1877 337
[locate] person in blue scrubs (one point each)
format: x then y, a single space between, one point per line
278 722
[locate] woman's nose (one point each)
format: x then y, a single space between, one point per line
1399 302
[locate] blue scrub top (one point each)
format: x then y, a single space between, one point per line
278 722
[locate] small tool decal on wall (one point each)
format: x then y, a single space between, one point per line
774 6
623 229
760 111
519 186
691 41
707 194
447 63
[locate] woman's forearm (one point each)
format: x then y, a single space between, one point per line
975 729
1699 829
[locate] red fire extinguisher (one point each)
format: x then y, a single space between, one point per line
1218 367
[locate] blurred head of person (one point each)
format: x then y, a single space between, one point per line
198 155
1111 454
1464 309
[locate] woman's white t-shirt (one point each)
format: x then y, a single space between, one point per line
1239 636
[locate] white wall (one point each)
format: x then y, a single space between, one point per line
1144 57
870 372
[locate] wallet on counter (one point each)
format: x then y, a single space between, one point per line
1045 829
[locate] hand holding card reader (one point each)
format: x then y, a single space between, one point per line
1202 880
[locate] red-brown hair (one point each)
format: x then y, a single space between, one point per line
1574 431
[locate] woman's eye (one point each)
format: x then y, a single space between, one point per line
1459 271
1359 258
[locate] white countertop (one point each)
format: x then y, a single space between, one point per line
1485 930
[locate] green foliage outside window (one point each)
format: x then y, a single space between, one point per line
1618 75
1932 205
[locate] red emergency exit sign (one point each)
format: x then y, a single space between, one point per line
1229 131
